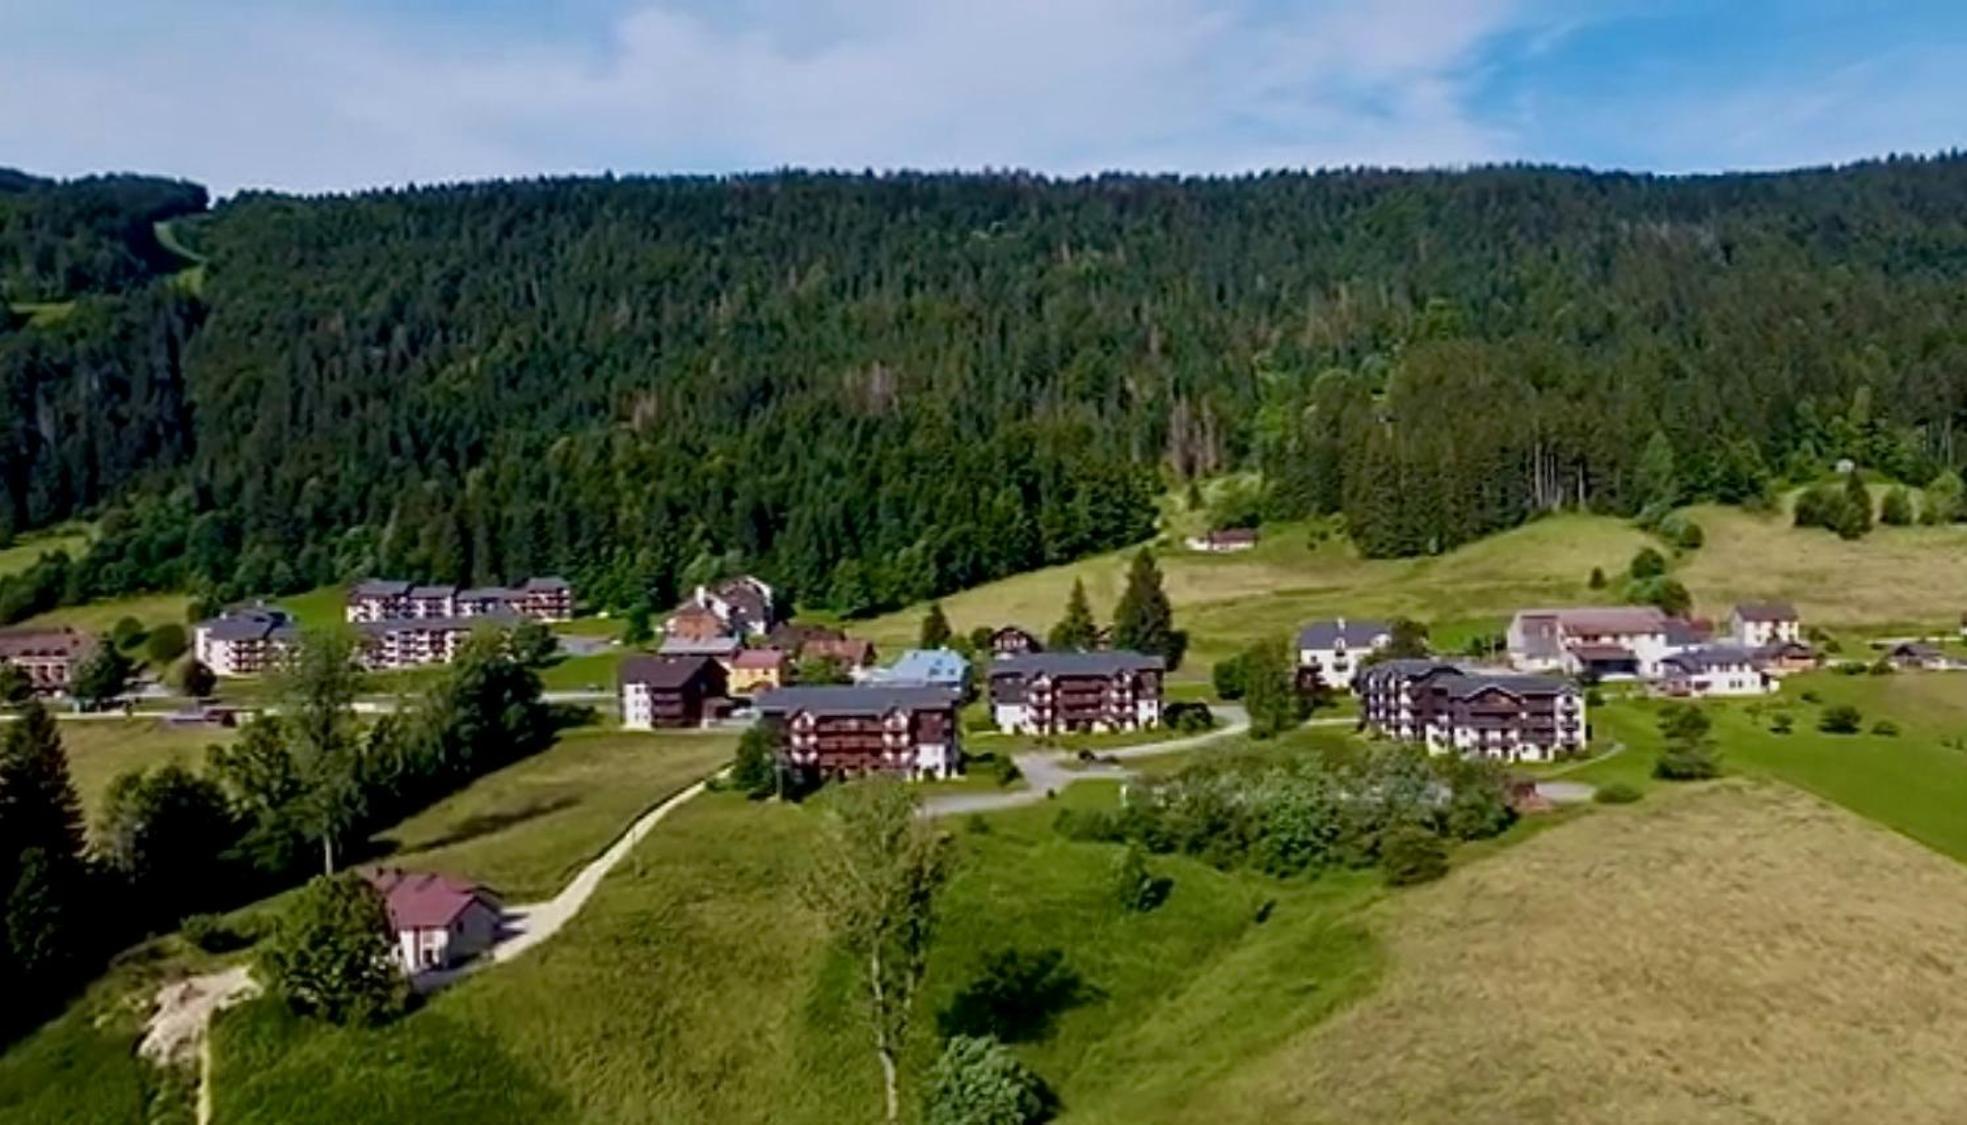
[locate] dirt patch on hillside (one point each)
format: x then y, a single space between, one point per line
1742 953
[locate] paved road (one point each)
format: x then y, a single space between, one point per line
1046 771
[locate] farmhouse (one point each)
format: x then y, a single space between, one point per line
378 599
692 622
1917 655
244 642
538 599
1782 658
406 642
1056 692
849 731
658 692
1714 670
1010 640
1616 640
743 605
1759 624
1224 542
1443 707
438 921
48 656
757 669
1329 652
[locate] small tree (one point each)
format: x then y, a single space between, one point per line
1648 563
1597 580
193 678
978 1081
755 770
16 686
126 632
1897 508
877 873
1408 639
1134 886
165 643
1689 754
1228 677
1840 718
317 691
331 955
1270 689
1855 520
935 628
1076 630
637 627
533 645
102 675
1943 499
1411 854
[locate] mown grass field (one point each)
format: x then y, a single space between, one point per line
1895 577
28 550
1737 952
100 749
99 617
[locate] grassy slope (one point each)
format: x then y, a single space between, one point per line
98 617
1897 575
29 549
100 749
1735 953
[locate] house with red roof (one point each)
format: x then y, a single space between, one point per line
438 921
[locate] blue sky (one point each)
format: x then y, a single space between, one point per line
341 94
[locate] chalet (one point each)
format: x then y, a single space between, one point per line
1917 655
244 642
659 692
1714 670
1010 640
692 622
757 669
849 731
1543 640
852 653
1329 652
1756 624
378 600
1443 707
483 601
48 656
437 921
1056 692
1225 541
744 605
546 597
792 638
935 667
407 642
724 650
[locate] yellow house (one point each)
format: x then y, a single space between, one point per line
757 669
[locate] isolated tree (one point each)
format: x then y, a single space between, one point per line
1647 563
165 643
755 769
317 689
38 804
978 1081
935 628
101 676
1076 631
1856 519
877 873
1143 621
533 645
1597 581
194 678
1897 508
1943 499
330 955
1840 718
1270 689
1229 677
1690 754
126 632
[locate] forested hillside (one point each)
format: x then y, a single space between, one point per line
58 240
874 389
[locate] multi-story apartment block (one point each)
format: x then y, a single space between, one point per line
244 642
539 599
407 642
1057 692
659 692
1443 707
48 656
848 731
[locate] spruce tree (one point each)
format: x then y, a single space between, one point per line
1657 485
38 805
1076 630
935 627
1144 621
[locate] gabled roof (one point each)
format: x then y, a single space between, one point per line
421 900
1469 686
1603 619
856 699
927 665
58 642
248 625
759 658
716 646
1355 634
857 651
1594 653
547 583
435 591
1766 611
1711 656
663 673
1076 663
380 588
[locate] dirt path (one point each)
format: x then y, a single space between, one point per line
177 1033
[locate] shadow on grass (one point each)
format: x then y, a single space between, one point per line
1016 996
484 824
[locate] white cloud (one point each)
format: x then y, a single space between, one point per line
267 96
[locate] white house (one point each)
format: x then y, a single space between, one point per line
1761 624
1715 670
243 642
1332 650
438 921
744 605
1609 641
1062 692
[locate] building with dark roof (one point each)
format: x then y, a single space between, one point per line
244 642
1709 670
407 642
1059 692
1014 640
1475 712
831 732
658 691
1330 652
538 599
47 656
1541 640
1756 624
744 605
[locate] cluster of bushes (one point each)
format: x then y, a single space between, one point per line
1647 582
1843 508
1286 818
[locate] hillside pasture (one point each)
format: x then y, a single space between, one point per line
101 749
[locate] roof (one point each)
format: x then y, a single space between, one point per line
1602 652
422 900
1005 630
852 650
1683 633
1464 686
1604 619
1920 649
746 595
693 609
42 642
759 658
928 665
856 699
663 672
1077 663
716 646
380 588
793 636
548 582
1355 634
487 594
441 591
247 625
1711 656
1766 611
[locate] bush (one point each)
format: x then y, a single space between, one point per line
1812 697
1411 854
332 954
1648 563
1014 997
126 632
755 769
1008 773
1597 580
191 677
1689 537
1782 723
1188 718
1840 718
1088 826
1135 887
1594 698
1697 762
210 933
1617 793
978 1081
1897 509
1228 678
1885 727
166 643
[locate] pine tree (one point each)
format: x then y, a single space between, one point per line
1076 630
1144 621
1657 485
38 805
935 627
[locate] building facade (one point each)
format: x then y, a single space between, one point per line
437 921
1011 640
754 670
1441 706
1713 670
1330 652
1060 692
47 656
409 642
835 732
545 599
683 692
1631 640
744 605
244 642
1763 624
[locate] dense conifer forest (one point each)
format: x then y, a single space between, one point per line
874 389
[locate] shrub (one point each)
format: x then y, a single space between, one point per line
166 643
1188 718
1410 854
978 1081
126 632
1015 996
755 769
1594 698
1812 697
1648 563
1617 793
210 933
1697 762
193 678
1597 581
331 954
1088 826
1782 723
1897 509
1228 678
1885 727
1008 773
1689 536
1840 718
1135 887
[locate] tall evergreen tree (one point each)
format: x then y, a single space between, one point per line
1144 621
935 628
1658 483
39 808
1076 630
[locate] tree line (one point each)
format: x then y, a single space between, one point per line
874 389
